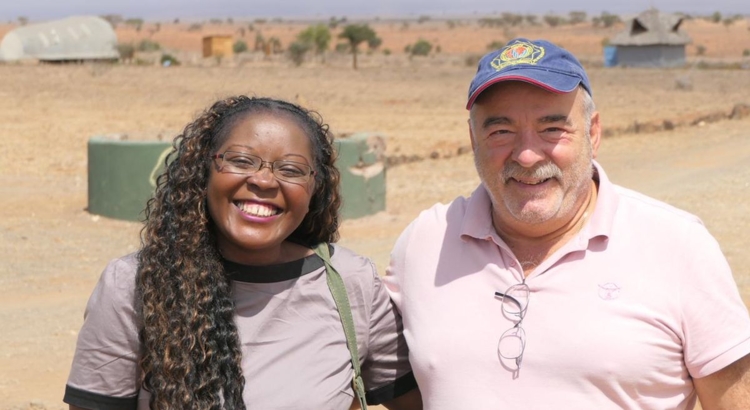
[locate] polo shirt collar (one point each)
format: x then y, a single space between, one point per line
477 220
601 221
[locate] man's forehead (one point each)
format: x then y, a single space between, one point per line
515 86
503 107
521 96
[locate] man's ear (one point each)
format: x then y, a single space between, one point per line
471 133
595 132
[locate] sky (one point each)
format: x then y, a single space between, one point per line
168 10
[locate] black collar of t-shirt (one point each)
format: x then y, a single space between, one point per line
273 273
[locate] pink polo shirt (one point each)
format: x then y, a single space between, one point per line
621 317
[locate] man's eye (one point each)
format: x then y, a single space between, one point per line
501 132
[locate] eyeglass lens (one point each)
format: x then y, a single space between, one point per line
512 343
515 302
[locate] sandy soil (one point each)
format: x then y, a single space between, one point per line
53 250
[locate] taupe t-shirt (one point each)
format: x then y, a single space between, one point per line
294 352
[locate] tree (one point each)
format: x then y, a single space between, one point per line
260 42
318 37
609 20
137 23
113 19
275 45
553 20
356 34
511 19
577 17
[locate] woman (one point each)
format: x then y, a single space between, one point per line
226 305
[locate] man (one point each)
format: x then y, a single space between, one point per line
552 288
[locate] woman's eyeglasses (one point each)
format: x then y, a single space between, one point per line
234 162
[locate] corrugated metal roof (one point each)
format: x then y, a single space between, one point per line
73 38
652 28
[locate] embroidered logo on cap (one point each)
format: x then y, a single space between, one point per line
520 52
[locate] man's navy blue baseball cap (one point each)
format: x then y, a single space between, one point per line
539 62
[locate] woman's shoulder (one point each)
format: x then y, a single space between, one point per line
347 262
120 273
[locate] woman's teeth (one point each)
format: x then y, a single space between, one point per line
257 209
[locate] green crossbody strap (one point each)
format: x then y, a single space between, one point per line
336 285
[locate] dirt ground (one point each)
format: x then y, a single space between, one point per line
53 250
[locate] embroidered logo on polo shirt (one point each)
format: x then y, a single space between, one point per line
609 291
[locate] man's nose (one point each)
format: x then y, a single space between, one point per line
527 151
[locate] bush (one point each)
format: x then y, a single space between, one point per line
421 48
239 46
169 60
495 45
490 22
134 22
374 43
148 45
472 60
700 50
298 50
746 52
126 51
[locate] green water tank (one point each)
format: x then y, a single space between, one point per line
361 162
122 175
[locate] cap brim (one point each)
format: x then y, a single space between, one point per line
555 82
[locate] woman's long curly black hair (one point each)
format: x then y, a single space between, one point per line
191 356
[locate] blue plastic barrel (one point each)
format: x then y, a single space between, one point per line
610 56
